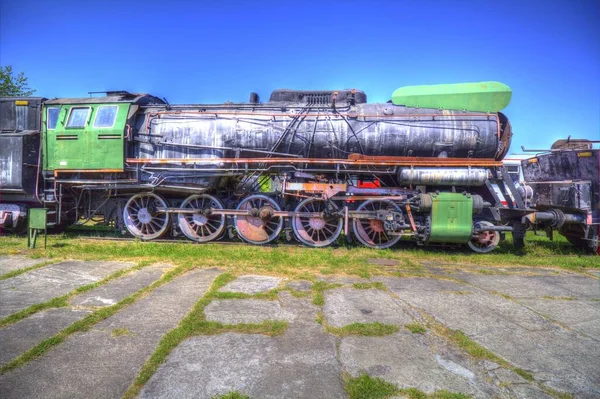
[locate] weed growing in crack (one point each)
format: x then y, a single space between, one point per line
416 328
374 285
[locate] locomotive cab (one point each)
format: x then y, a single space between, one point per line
89 134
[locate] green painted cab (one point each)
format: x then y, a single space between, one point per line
89 133
480 96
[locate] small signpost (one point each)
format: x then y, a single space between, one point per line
36 223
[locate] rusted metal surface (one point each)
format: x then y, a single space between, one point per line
329 190
57 171
380 161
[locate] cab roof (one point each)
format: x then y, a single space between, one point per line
111 97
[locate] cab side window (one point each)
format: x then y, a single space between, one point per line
52 117
78 117
106 115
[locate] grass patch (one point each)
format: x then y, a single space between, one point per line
362 329
416 328
374 285
473 348
526 375
501 294
120 332
232 395
367 387
17 272
299 294
62 301
194 324
299 262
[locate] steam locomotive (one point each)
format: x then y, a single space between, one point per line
305 164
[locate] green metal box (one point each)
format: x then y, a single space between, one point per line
451 218
38 218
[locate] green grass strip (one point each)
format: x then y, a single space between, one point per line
86 323
17 272
416 328
365 286
62 301
298 262
195 324
232 395
363 329
270 295
367 387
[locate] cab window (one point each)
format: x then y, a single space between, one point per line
78 117
52 117
106 115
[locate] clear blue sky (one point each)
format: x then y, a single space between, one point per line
214 51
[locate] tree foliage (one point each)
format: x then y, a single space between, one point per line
13 85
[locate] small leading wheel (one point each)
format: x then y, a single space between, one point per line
142 219
261 227
484 241
201 227
316 231
370 232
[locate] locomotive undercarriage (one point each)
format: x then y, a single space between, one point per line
260 204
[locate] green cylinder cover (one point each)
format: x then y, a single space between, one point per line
481 96
451 218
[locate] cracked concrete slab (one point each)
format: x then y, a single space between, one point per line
235 311
19 337
563 359
301 363
528 392
10 263
251 284
344 306
405 359
40 285
114 291
581 315
97 363
516 286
